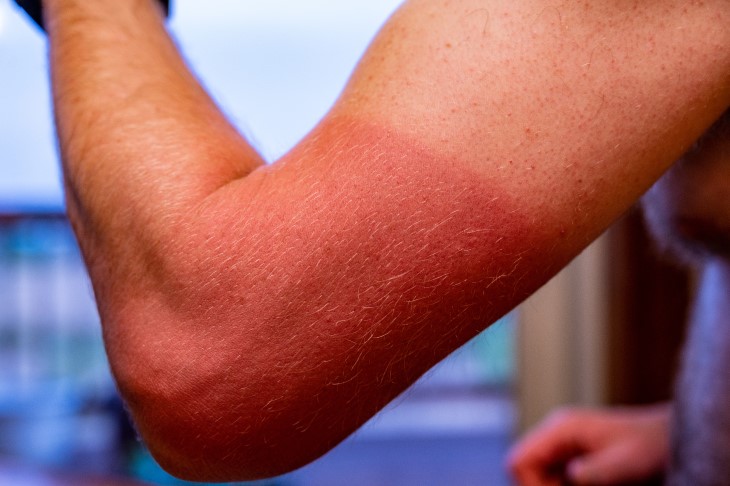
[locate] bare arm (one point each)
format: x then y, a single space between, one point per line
256 315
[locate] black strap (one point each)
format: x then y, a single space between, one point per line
34 8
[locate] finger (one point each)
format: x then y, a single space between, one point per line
533 477
559 438
540 457
614 465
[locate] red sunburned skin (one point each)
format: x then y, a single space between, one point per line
347 270
354 211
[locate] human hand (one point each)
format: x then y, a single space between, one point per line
594 447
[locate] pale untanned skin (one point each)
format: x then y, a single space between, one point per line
255 315
689 213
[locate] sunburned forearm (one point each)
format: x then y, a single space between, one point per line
478 148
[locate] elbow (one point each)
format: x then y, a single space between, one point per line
217 439
206 417
206 452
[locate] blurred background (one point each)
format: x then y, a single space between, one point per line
275 67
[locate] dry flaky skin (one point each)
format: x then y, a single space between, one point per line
256 315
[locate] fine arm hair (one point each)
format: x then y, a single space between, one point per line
256 315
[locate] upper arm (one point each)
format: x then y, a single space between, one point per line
479 146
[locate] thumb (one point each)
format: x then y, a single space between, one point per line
614 465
